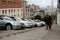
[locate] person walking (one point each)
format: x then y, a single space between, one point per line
48 21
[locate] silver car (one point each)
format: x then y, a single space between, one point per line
19 20
24 23
8 24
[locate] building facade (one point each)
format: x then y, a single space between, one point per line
32 10
28 12
24 4
49 10
11 8
58 13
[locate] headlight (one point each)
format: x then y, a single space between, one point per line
44 23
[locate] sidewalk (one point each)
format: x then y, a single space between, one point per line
39 33
13 32
54 33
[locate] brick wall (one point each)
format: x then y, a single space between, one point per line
10 4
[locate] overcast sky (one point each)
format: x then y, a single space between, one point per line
43 3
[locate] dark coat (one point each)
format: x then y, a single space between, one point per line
48 20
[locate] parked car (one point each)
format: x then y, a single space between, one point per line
34 23
22 21
27 23
38 23
8 24
42 23
18 20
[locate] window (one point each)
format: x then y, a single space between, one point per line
17 2
1 18
32 14
3 3
7 18
24 3
18 15
21 14
14 11
9 11
18 19
14 2
14 15
20 2
21 9
28 9
3 11
9 2
23 19
18 10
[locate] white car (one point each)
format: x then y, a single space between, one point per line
27 23
38 23
20 21
34 23
8 24
24 23
42 23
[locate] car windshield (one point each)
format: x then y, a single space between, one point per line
31 20
37 20
18 19
24 19
12 18
7 18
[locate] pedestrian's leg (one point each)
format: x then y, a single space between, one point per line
49 27
46 26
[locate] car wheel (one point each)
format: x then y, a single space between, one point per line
41 25
36 25
8 27
22 27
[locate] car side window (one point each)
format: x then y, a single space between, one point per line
15 19
1 18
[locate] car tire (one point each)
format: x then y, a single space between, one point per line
36 25
8 27
41 25
22 27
